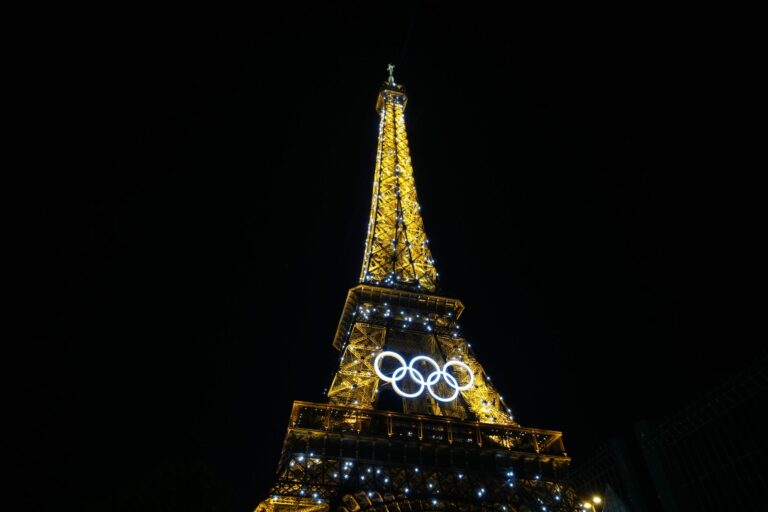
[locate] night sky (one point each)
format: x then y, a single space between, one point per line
189 241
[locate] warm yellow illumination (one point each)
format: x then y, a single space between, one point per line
482 398
586 505
396 247
450 403
597 499
356 382
397 255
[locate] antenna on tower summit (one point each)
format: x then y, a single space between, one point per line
391 69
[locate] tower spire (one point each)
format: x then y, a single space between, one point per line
391 69
397 253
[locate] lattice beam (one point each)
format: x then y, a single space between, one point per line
356 382
396 251
482 398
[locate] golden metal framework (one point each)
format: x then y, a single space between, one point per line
356 452
482 399
396 249
419 323
378 460
356 382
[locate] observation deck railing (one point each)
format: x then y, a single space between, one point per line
437 430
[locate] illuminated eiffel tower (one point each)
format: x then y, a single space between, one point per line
412 420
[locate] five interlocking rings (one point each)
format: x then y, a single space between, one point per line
418 378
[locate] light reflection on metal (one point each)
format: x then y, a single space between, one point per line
396 250
356 382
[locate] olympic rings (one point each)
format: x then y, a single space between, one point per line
417 377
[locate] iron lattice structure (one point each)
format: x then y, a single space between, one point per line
396 248
370 449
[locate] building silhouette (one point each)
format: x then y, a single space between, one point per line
711 455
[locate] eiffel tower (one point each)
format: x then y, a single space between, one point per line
412 421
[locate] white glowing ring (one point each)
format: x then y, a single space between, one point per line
396 375
417 377
466 368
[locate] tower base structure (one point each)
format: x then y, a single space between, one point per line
351 459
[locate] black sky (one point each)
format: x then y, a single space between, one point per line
190 239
